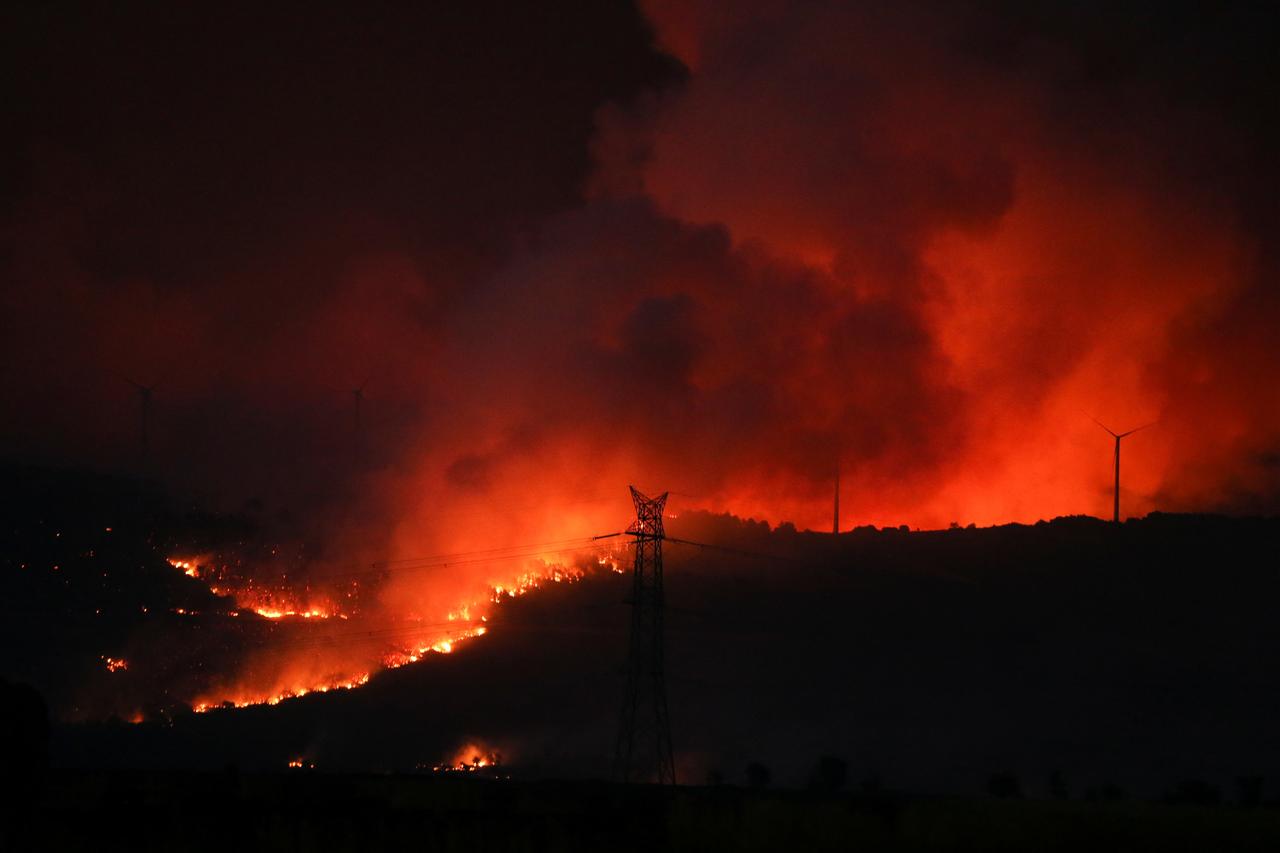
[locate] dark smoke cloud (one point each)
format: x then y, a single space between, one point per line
923 241
1010 182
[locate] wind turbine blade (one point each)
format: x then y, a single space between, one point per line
1137 429
128 379
1104 426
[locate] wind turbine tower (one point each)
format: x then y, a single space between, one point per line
144 400
358 394
1117 436
835 523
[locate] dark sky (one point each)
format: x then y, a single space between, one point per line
712 246
200 142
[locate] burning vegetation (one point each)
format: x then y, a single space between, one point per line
472 758
268 601
311 646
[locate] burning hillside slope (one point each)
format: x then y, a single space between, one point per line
1135 656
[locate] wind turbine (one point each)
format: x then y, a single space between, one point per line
835 524
358 395
1117 436
144 399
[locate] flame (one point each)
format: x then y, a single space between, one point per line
470 758
276 613
208 704
293 675
186 567
269 603
115 664
530 581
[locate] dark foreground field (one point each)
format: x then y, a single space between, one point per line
306 811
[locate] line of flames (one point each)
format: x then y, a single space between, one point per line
554 572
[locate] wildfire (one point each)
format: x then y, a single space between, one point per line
202 706
186 567
313 613
282 675
470 758
269 603
533 580
115 664
301 764
403 657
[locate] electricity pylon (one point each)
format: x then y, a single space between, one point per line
643 750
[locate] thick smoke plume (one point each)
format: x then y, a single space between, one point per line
924 244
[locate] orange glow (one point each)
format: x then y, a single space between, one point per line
185 566
470 758
268 602
115 664
393 635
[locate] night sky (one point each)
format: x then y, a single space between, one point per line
721 249
716 249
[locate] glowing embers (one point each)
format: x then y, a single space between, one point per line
202 706
443 646
610 562
267 602
186 567
115 664
281 613
533 580
301 764
295 659
472 758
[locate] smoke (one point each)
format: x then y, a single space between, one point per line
923 244
1005 236
926 245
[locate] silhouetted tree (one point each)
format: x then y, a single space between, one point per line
1057 785
1249 791
872 786
758 776
1196 792
829 775
1004 785
1108 792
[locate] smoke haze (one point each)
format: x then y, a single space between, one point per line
716 249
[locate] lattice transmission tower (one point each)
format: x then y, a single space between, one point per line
643 750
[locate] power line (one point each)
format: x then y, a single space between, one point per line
487 550
423 564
